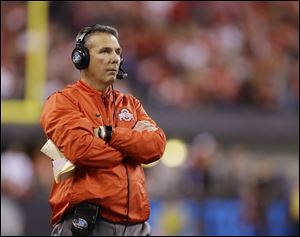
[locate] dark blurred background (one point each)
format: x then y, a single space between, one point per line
221 79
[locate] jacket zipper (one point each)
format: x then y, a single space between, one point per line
105 115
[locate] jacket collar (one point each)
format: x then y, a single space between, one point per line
84 86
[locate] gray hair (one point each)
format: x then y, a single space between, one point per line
83 33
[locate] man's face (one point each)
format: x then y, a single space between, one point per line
105 57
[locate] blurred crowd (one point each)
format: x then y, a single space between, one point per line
234 190
178 54
26 179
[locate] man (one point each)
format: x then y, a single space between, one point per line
107 135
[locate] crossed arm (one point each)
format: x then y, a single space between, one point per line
75 137
143 125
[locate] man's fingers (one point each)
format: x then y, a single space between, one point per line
140 124
152 128
143 127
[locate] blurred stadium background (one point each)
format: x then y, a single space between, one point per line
222 80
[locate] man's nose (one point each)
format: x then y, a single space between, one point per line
116 58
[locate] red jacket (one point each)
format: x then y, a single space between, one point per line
68 119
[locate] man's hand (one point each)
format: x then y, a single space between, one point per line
144 125
96 132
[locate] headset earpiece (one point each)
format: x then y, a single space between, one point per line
80 56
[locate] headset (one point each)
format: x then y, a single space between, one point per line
81 56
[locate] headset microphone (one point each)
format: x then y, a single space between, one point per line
121 74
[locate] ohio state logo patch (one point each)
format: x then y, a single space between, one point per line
125 115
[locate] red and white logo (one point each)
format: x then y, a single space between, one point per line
125 115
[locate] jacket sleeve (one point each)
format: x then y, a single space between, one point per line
143 146
73 134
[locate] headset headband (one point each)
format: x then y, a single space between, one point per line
80 40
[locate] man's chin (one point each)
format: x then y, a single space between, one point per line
111 79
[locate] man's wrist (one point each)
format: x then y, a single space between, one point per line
105 132
108 133
101 132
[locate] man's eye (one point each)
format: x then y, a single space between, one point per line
105 51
